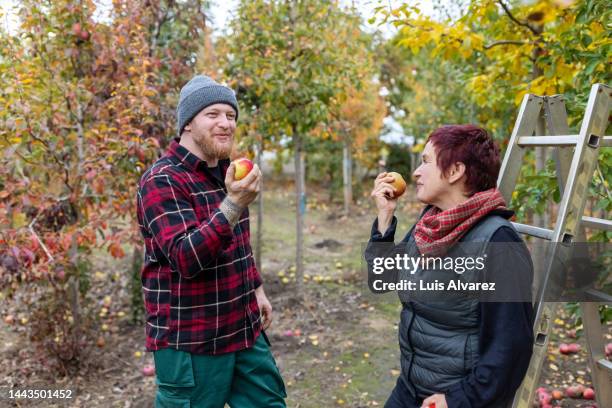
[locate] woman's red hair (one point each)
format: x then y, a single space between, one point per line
472 146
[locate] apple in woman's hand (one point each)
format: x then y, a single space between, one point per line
398 183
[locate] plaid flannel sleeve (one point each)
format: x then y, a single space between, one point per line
168 213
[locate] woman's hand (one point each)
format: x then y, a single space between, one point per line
435 401
382 194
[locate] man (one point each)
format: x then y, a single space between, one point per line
204 299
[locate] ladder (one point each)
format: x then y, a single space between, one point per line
576 159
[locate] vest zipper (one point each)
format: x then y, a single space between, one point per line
412 348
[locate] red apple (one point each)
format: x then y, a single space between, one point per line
574 347
608 349
398 183
575 391
243 167
588 394
76 29
564 348
544 398
148 370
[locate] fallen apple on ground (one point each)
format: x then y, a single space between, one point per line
574 391
243 167
571 348
588 394
100 342
557 394
398 183
148 370
544 398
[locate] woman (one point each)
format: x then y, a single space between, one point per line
458 350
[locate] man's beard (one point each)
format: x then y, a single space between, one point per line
212 148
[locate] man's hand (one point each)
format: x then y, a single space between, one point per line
243 192
265 308
435 401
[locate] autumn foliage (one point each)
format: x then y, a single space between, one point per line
84 111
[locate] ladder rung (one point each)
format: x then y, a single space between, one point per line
563 140
533 231
597 223
605 363
598 296
558 141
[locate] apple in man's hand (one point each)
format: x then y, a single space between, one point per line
243 167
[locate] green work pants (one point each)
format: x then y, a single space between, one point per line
245 379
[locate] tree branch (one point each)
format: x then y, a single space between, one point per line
521 23
504 42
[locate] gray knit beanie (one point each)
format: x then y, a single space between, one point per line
197 94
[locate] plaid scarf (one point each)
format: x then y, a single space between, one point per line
437 230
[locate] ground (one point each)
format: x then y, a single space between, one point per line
338 347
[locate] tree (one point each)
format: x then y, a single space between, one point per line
283 60
505 50
86 105
358 126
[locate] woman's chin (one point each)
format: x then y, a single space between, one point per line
422 199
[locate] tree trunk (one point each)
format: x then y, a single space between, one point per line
300 205
259 232
347 176
74 294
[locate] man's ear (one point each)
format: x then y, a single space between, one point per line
187 127
456 172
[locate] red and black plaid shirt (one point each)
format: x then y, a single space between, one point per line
199 276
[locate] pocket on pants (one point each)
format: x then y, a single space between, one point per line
164 401
173 368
